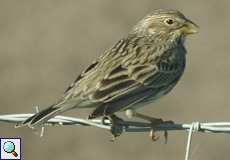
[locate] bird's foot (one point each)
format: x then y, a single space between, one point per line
116 130
154 123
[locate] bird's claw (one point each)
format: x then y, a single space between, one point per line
166 136
152 131
152 135
116 130
114 136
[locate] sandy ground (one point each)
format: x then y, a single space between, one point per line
45 44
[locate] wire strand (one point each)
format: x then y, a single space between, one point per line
126 126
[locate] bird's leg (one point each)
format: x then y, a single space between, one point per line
116 130
152 120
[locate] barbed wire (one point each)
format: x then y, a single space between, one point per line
126 126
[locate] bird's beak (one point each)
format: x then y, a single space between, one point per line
189 27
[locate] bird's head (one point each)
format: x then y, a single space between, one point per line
163 25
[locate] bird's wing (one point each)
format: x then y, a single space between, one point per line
124 75
130 83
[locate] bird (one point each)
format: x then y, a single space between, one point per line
139 69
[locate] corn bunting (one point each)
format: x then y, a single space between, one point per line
139 69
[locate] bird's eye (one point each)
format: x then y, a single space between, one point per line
169 21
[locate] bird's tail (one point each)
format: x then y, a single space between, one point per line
42 116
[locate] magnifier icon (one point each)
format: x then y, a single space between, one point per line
9 147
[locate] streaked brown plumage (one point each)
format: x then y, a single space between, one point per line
141 68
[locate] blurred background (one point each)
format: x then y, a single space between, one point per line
45 44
